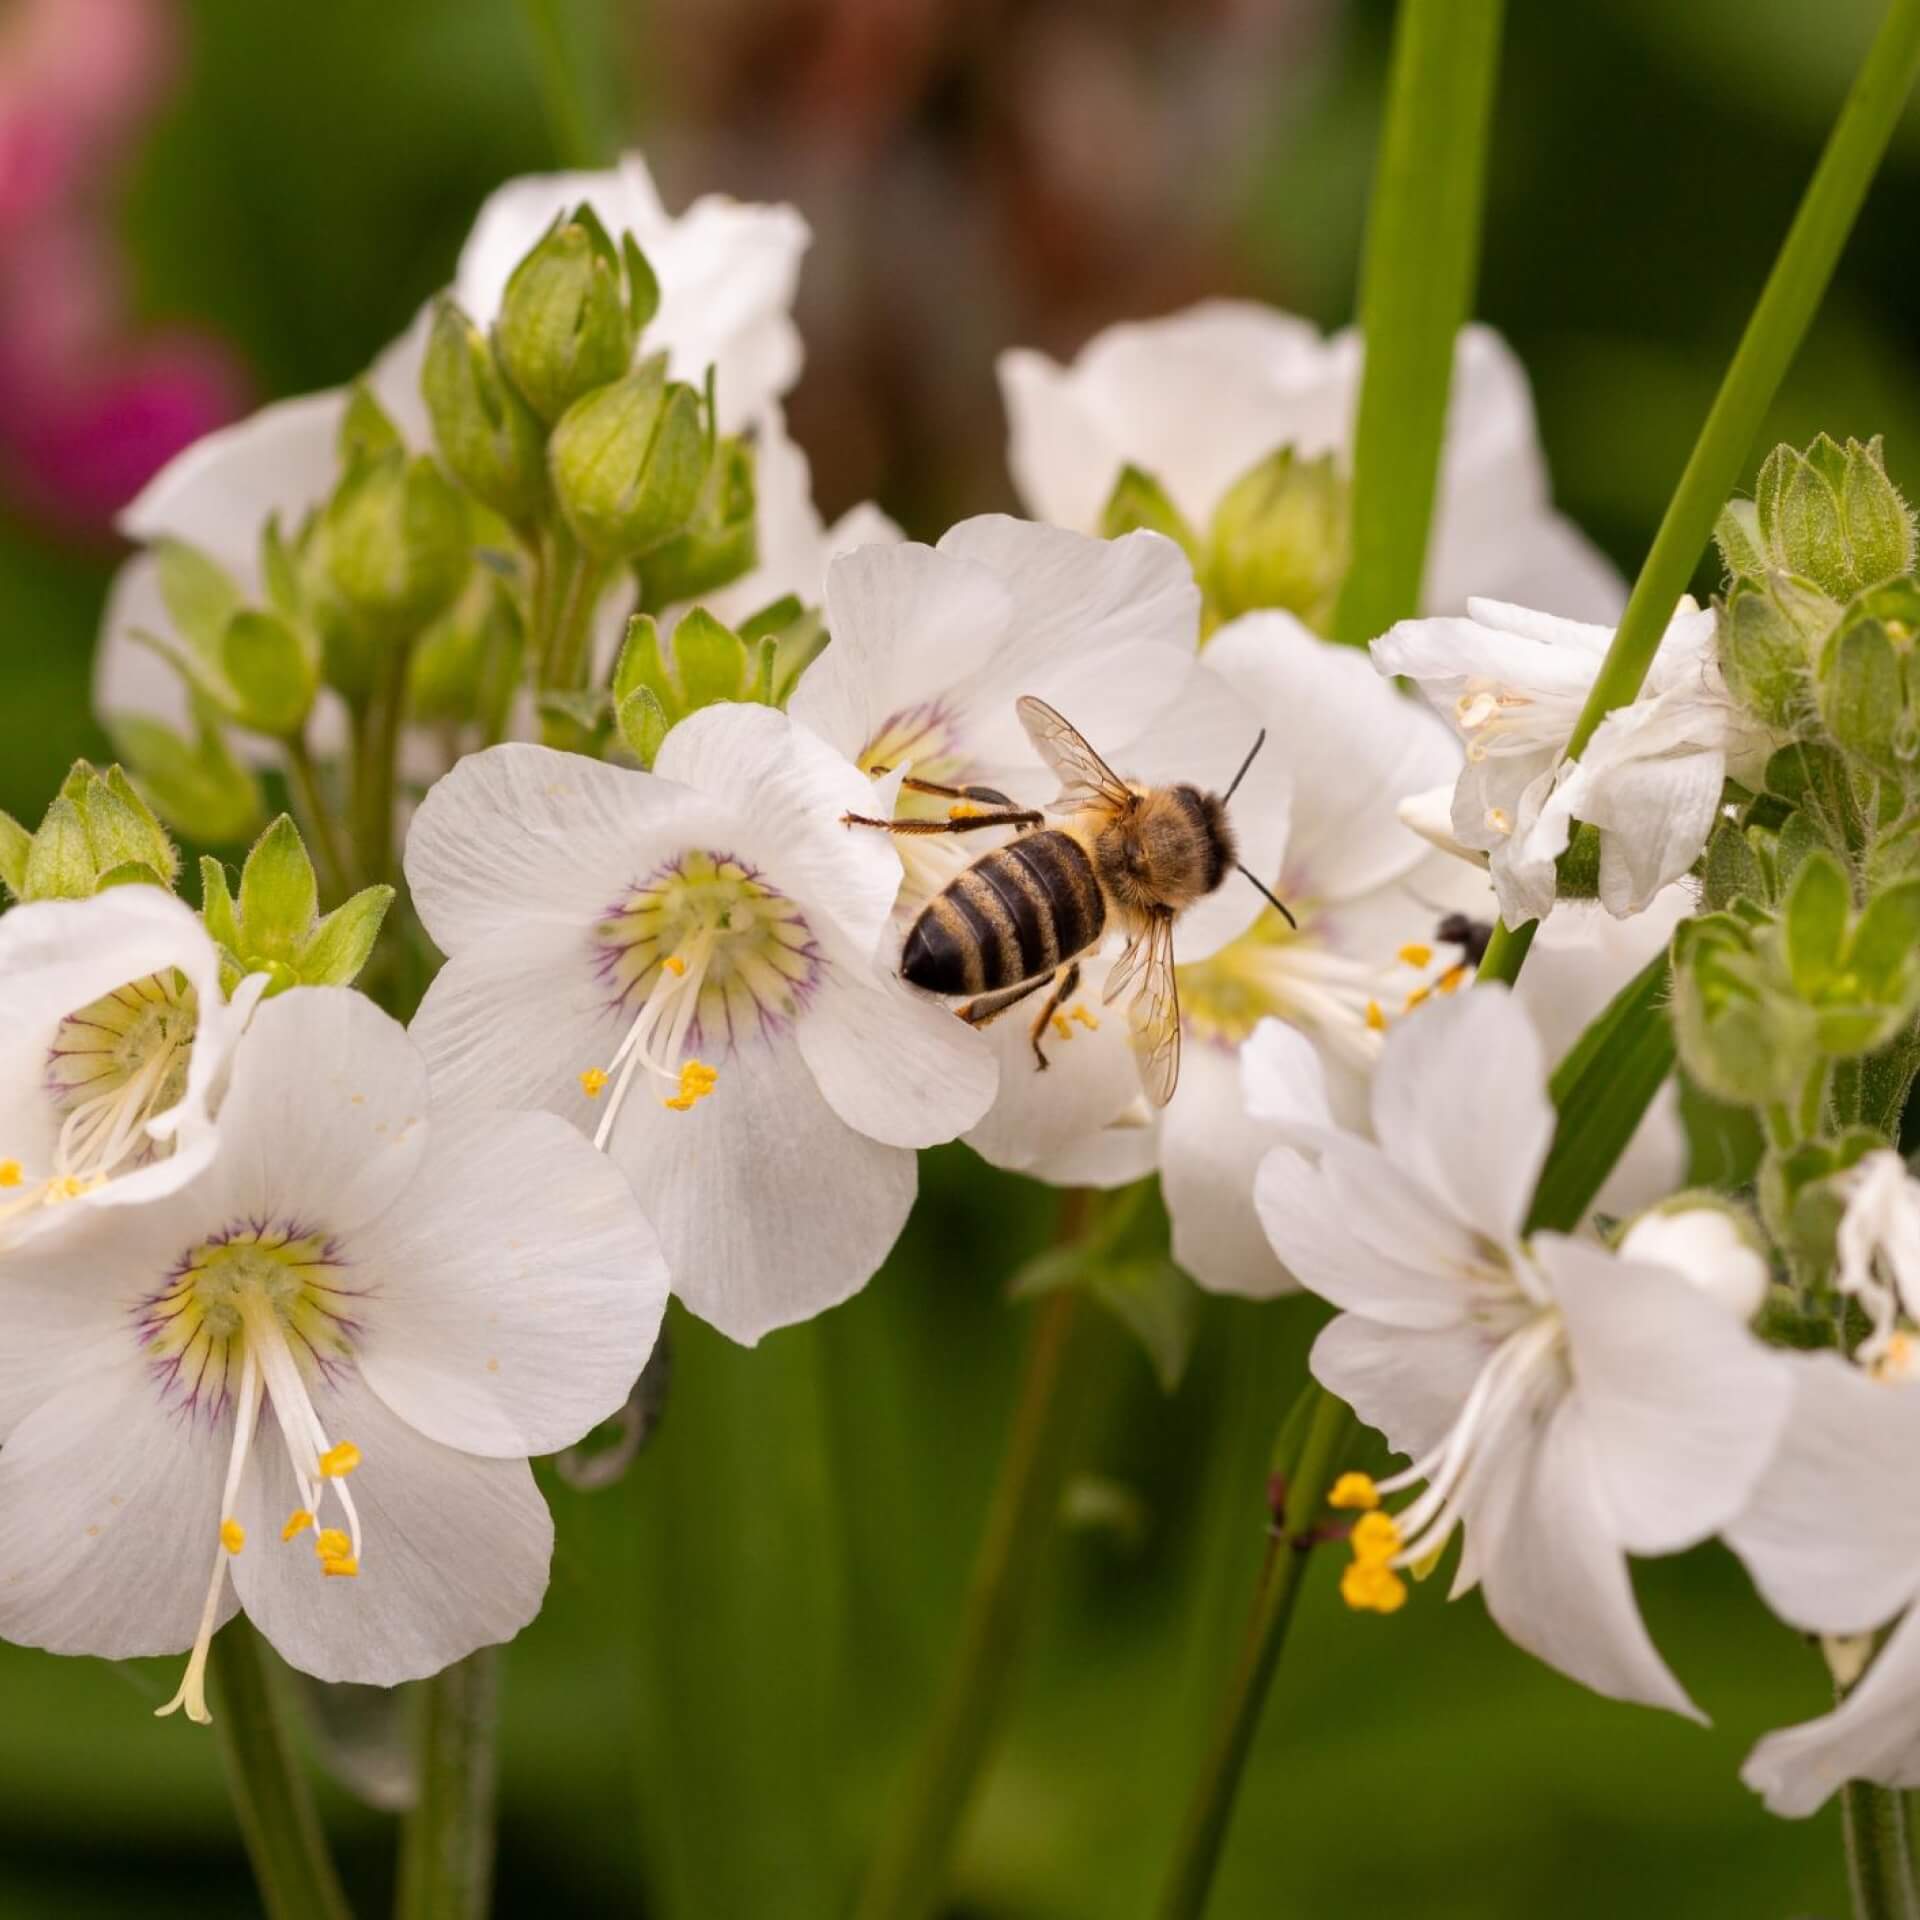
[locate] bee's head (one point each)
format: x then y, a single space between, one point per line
1220 851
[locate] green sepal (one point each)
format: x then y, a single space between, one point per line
709 660
719 544
16 844
1861 694
272 671
643 724
341 943
629 460
563 328
493 442
1140 503
279 895
60 865
199 594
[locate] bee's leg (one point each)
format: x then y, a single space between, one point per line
1064 983
984 1007
965 823
982 796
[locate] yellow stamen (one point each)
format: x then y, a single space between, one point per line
1375 1538
1375 1018
233 1536
1418 995
1354 1490
11 1173
1415 955
337 1462
298 1521
674 964
1425 1565
1896 1360
69 1186
1451 979
1061 1028
697 1080
1372 1589
1085 1015
330 1543
963 810
593 1082
340 1567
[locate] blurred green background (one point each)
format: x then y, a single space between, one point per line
743 1634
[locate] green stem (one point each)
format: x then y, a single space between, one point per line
909 1868
376 755
1422 251
446 1845
1308 1456
1787 305
270 1795
569 119
1879 1860
304 778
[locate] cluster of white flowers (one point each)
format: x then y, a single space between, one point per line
295 1292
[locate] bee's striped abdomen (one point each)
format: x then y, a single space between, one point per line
1016 913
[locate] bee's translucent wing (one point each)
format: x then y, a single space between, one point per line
1085 779
1153 1018
1120 975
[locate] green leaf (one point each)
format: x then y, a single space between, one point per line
1860 694
279 895
1600 1092
1886 941
1814 925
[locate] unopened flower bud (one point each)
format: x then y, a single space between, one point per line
1712 1246
1139 502
492 441
1861 689
1832 515
718 545
629 460
564 327
1279 539
272 671
398 545
1766 654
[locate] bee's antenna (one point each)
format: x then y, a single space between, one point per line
1260 742
1272 898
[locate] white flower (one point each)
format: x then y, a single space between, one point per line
1369 898
1705 1243
317 1369
1512 682
1198 398
682 963
932 647
1562 1405
113 1033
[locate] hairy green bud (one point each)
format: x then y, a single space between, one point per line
1279 539
629 461
565 326
492 441
718 545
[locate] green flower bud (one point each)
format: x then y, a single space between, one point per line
492 441
1766 651
1138 503
398 546
1861 696
275 926
564 325
1279 539
629 461
718 545
272 671
1743 551
97 832
709 662
1832 516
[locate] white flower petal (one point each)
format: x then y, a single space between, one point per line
769 1207
1210 1154
893 1065
1874 1734
1682 1406
454 1553
1354 746
1111 1156
1832 1533
1284 1083
1654 817
109 1518
1459 1102
521 833
1551 656
1410 1382
518 1291
325 1118
1555 1579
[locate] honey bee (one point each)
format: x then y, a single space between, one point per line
1024 915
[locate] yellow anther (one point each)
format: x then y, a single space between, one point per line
298 1521
697 1080
674 964
337 1462
1415 955
68 1187
1085 1015
1418 995
233 1536
593 1082
340 1566
1449 981
1499 820
1369 1588
1061 1028
1376 1019
1375 1538
1424 1566
331 1544
963 810
11 1173
1354 1490
1896 1359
